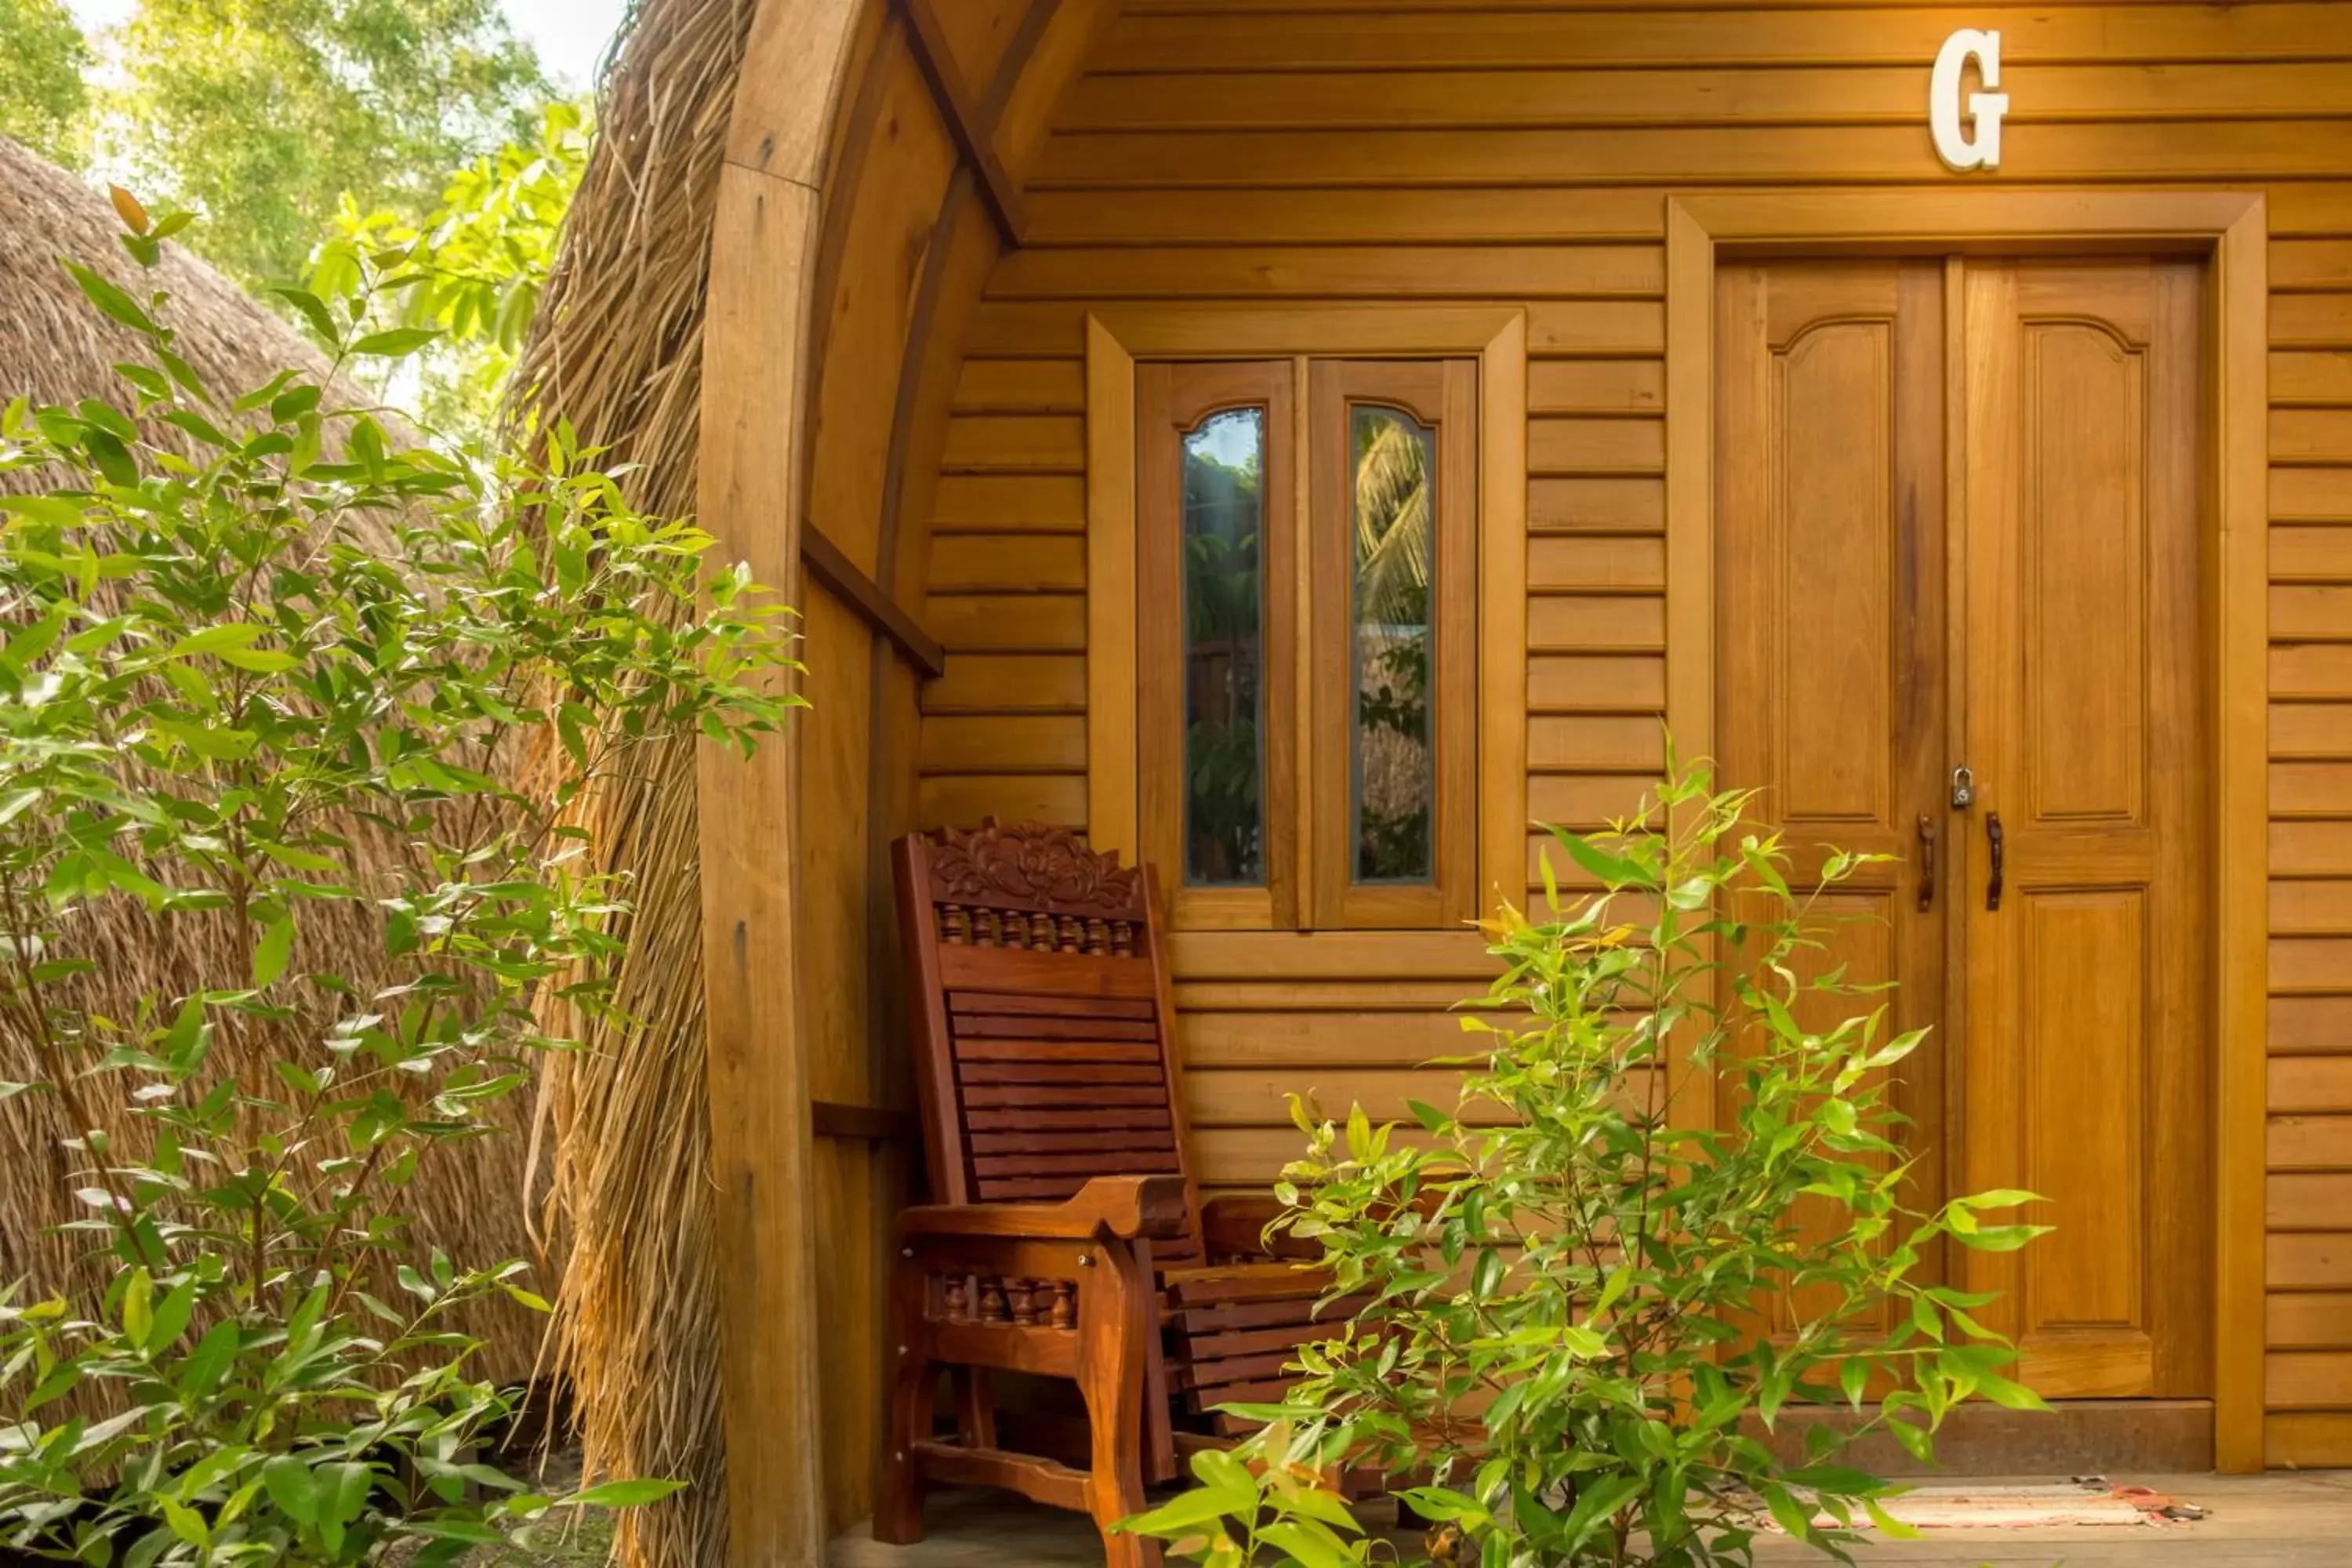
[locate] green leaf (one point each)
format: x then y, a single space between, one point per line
1916 1441
213 639
342 1498
138 1305
264 660
1613 870
112 300
2011 1396
1445 1507
2000 1199
113 459
171 1317
186 1523
1310 1543
1187 1511
56 511
1888 1525
622 1494
1221 1473
394 343
292 1489
1999 1238
209 1361
314 311
274 951
1853 1377
1789 1513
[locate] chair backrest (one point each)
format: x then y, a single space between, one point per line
1045 1033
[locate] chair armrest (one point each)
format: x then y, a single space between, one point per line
1124 1207
1233 1225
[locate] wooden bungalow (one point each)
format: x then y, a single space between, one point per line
1961 451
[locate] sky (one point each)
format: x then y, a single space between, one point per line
569 33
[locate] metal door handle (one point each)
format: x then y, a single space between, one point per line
1992 883
1927 863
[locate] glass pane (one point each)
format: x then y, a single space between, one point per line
1395 763
1225 620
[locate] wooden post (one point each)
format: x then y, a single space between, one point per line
749 496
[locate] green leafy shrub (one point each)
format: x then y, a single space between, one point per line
297 728
1568 1268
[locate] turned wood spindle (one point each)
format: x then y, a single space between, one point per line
991 1299
1020 1300
959 1306
1064 1313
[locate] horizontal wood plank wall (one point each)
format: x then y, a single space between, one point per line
1294 151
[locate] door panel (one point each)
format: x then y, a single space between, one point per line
1831 620
2087 1052
2050 638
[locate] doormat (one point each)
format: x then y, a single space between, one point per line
2055 1505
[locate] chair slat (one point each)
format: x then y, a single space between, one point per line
1082 1164
977 969
1033 1026
1053 1142
968 1051
1014 1118
1078 1075
1062 1096
1044 1004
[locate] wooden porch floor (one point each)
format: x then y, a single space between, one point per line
2279 1520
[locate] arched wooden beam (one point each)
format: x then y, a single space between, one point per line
753 409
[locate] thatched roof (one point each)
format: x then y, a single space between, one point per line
617 348
469 1198
55 349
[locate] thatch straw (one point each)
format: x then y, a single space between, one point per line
469 1198
617 348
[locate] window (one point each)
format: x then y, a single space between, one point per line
1307 675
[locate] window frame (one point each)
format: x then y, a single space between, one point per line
1495 338
1172 400
1442 395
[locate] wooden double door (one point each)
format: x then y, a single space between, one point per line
1960 517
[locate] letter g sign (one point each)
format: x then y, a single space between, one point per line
1958 149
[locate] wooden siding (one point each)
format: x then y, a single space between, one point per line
1316 151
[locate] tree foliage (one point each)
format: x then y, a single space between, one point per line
309 682
1588 1309
42 56
263 114
475 267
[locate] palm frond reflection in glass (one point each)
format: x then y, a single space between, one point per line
1393 764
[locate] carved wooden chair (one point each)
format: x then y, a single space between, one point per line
1069 1237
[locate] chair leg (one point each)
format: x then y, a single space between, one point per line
975 1406
898 1502
1114 1319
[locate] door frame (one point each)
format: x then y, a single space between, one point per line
2232 228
